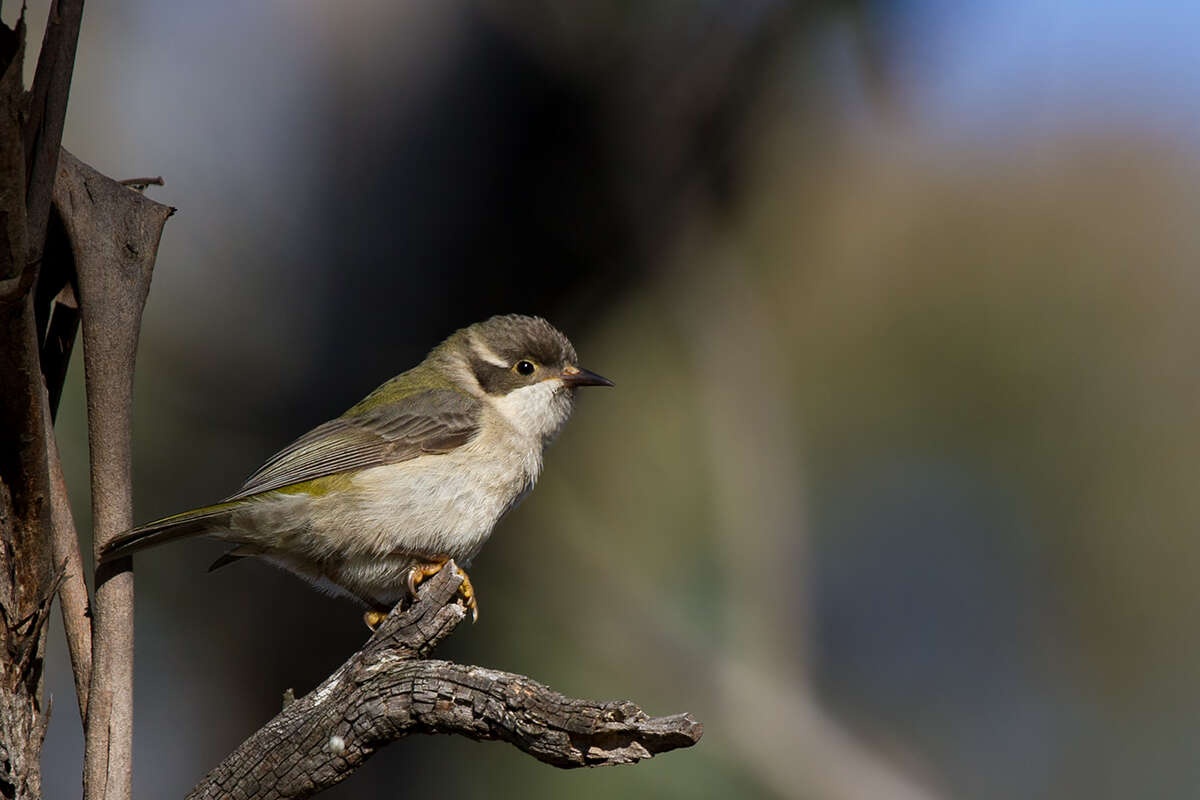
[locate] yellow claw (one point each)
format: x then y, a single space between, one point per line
373 618
419 572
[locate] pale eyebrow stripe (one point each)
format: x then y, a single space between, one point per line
487 354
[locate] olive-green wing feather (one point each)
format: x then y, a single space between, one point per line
428 421
388 427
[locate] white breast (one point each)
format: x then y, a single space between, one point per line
437 504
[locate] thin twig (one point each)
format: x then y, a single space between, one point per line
72 591
143 182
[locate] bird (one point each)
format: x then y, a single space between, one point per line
415 474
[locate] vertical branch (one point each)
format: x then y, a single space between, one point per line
43 128
114 233
26 585
72 592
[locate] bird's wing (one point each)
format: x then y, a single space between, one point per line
428 421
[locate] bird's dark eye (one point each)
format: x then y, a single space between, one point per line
524 367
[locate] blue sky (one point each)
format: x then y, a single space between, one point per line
987 66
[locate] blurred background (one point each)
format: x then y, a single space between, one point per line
895 489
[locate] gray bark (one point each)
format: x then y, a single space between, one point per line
388 690
114 233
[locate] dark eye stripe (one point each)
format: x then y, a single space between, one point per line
493 379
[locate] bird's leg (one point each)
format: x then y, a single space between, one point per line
425 569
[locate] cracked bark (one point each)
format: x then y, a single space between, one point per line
388 690
27 581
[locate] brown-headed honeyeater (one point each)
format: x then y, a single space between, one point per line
419 472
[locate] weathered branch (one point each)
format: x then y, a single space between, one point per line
57 281
72 590
43 127
114 234
26 577
386 691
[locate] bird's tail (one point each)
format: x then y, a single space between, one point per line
190 523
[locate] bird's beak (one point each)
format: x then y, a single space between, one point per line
574 376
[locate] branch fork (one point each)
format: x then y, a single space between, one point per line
388 690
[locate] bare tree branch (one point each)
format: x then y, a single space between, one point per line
72 591
43 128
114 233
386 691
58 274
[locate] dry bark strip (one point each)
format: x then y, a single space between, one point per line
387 690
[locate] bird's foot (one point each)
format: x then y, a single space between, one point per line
374 618
427 569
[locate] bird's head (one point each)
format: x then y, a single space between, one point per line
521 366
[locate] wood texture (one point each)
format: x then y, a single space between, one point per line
26 583
47 114
388 690
114 233
72 593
